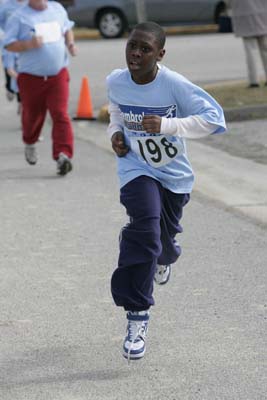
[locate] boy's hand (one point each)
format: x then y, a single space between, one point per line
151 123
12 73
118 144
72 49
36 42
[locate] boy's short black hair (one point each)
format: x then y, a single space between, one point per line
154 28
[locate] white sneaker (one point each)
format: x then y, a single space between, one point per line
162 274
31 154
134 343
64 164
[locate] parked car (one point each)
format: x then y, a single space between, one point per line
114 17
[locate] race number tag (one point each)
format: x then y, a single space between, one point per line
156 150
50 31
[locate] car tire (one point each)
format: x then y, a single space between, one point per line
111 23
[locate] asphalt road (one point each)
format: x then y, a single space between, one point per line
61 335
245 139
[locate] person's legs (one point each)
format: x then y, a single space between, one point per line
262 41
147 239
140 246
251 49
18 103
9 92
132 281
171 214
32 93
57 104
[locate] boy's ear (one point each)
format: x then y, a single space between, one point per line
161 54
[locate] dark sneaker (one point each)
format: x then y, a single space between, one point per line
64 164
31 154
10 95
134 343
253 85
162 274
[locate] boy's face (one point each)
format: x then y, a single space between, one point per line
142 54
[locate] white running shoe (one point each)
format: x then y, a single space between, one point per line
64 164
31 154
134 343
162 274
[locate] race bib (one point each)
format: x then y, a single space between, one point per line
50 31
156 150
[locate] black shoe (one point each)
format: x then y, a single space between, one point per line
64 164
253 85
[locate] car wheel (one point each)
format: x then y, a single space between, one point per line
111 24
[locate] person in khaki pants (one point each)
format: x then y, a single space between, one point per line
249 20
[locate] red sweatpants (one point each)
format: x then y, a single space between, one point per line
42 94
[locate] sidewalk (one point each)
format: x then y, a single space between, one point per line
237 183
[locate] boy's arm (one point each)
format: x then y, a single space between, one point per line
19 46
192 127
11 39
115 131
69 40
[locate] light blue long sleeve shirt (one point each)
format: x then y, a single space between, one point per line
162 157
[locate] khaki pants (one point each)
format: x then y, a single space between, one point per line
252 46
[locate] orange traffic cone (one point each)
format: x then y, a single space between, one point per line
85 107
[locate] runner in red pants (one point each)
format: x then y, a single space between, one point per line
43 77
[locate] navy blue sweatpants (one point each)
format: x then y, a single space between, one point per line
147 240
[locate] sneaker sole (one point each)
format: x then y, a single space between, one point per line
65 168
136 356
164 282
31 163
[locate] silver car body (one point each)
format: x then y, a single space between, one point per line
86 13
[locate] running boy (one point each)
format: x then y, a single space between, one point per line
152 111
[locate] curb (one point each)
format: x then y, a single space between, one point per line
103 115
246 113
84 34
